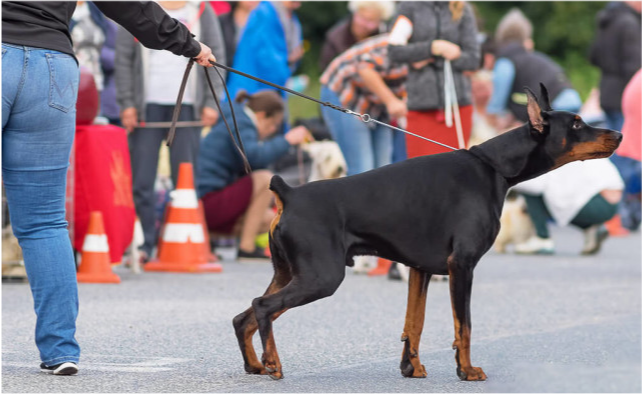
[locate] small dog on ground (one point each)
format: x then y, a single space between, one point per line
437 214
516 224
327 160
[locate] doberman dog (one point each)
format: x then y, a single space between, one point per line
437 214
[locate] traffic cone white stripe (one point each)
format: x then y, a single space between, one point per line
95 243
181 233
184 198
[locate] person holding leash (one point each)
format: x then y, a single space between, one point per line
39 90
147 83
425 35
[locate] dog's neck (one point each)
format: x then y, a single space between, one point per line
515 155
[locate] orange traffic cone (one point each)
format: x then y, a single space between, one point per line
614 225
95 265
183 246
211 257
382 268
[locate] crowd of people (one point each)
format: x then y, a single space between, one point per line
424 66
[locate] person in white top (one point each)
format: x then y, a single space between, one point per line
584 194
147 84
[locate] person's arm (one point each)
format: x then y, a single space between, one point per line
261 154
503 77
470 52
124 77
151 25
399 49
373 81
212 36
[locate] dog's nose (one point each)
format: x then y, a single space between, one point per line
619 136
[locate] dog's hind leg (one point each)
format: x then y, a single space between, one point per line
410 366
245 324
304 288
461 282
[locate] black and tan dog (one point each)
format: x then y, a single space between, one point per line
436 214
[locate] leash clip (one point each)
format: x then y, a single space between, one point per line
365 118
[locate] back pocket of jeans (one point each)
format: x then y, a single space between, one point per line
63 81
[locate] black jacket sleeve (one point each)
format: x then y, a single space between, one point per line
151 25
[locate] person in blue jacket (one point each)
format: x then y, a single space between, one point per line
269 48
233 200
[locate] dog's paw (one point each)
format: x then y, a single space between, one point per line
409 371
255 370
274 372
471 373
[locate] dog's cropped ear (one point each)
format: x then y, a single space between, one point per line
534 112
544 96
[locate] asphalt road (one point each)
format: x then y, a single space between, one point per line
564 323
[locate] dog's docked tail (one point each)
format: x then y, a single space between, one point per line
281 191
280 188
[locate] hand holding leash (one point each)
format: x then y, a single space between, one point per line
205 57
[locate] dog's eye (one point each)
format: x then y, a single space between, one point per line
577 124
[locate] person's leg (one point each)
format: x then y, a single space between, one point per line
539 214
39 90
255 214
184 149
144 145
591 219
350 133
398 146
382 145
596 211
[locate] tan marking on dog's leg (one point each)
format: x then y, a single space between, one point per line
415 313
270 358
252 326
459 298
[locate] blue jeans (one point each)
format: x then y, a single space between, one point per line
363 147
39 90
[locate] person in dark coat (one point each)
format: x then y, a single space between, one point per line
616 52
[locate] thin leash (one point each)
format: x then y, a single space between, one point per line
364 117
236 137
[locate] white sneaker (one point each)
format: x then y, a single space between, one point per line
67 368
536 245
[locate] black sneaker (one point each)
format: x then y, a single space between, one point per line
256 255
67 368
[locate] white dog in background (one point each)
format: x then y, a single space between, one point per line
516 225
327 160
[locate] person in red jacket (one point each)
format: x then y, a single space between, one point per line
39 90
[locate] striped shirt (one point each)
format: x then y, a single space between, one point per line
342 76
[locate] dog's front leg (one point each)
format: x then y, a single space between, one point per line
415 312
461 282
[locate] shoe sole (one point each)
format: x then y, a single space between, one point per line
64 369
600 239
